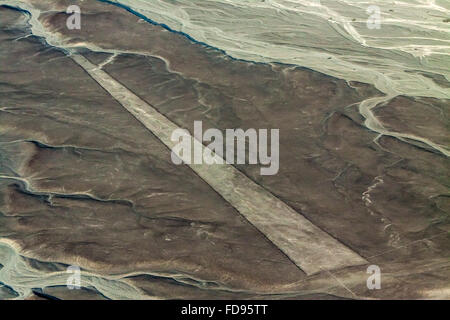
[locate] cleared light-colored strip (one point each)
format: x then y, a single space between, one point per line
306 245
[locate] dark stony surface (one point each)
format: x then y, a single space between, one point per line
89 185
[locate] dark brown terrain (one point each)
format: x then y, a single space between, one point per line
83 182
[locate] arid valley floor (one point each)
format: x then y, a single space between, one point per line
87 180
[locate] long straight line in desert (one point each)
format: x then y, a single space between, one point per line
310 248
